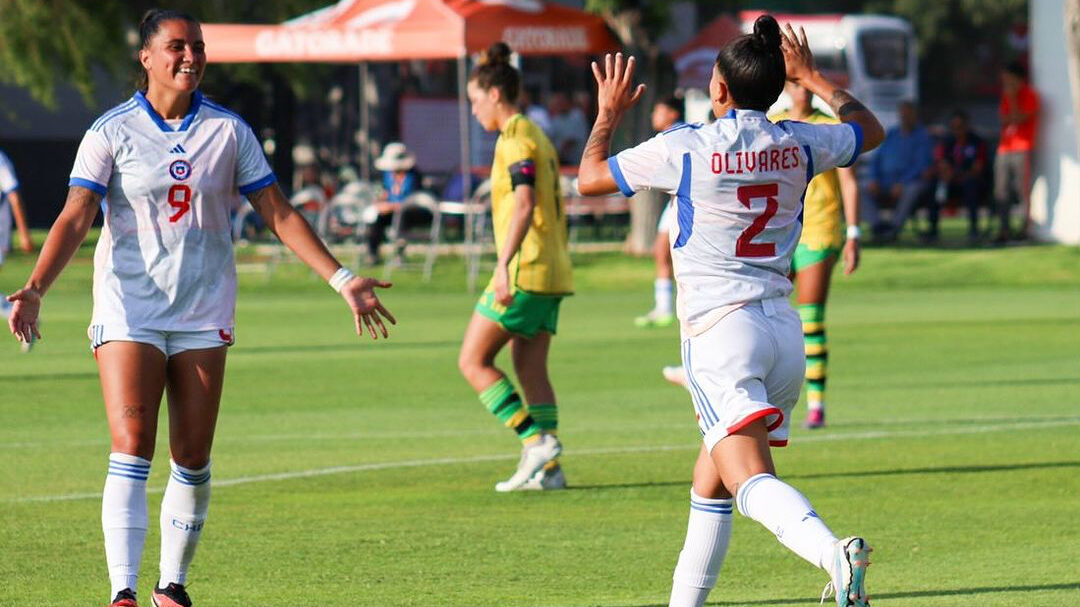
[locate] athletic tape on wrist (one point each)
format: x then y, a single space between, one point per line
853 232
341 278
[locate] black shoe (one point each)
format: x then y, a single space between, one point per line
124 598
173 595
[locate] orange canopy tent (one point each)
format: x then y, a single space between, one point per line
390 30
694 60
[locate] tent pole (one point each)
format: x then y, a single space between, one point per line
365 124
471 257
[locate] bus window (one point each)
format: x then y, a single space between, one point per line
884 53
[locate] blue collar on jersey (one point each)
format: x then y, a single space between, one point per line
196 101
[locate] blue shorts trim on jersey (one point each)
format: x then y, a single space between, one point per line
258 185
857 128
90 185
620 180
685 209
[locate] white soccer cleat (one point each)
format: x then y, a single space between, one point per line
533 458
675 374
851 557
546 479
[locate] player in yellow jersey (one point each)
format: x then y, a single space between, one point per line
823 241
521 303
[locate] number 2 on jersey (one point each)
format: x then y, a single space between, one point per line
180 199
744 247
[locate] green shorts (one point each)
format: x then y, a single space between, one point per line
527 315
805 256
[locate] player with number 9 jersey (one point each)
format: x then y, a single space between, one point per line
164 260
171 165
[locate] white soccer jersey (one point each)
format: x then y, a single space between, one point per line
738 184
165 257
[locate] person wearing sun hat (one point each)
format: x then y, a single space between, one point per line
400 180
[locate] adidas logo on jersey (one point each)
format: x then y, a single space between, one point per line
178 149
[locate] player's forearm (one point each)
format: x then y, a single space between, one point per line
19 214
64 239
594 174
293 230
524 205
847 108
849 192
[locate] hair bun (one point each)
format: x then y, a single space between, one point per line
767 33
497 53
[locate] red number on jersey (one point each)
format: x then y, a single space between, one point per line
179 199
743 246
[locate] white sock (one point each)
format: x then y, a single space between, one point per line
124 519
789 515
662 294
707 537
183 514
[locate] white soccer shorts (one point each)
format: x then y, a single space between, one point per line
747 366
170 343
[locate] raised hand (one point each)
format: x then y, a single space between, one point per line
616 92
366 307
23 320
798 59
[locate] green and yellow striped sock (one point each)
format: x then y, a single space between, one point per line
817 353
503 402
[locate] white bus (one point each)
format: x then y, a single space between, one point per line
872 56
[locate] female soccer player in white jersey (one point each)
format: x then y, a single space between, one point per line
738 184
172 164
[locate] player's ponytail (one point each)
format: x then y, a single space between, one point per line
494 70
148 28
752 65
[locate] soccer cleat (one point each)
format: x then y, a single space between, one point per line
851 557
173 595
546 479
675 374
815 418
655 319
533 458
124 598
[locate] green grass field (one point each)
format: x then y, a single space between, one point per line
356 473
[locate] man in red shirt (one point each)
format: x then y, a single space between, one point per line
1019 111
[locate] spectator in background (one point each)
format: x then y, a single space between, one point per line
535 112
1019 111
899 172
959 173
568 128
11 203
400 180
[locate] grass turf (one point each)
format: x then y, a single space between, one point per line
356 473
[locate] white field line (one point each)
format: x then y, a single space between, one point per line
442 461
406 435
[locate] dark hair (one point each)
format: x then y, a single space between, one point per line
960 113
753 66
494 70
1017 69
149 26
672 102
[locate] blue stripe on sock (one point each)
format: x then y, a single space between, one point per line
190 480
711 510
125 475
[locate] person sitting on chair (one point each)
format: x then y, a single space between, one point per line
400 180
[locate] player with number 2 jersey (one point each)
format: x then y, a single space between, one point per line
738 184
